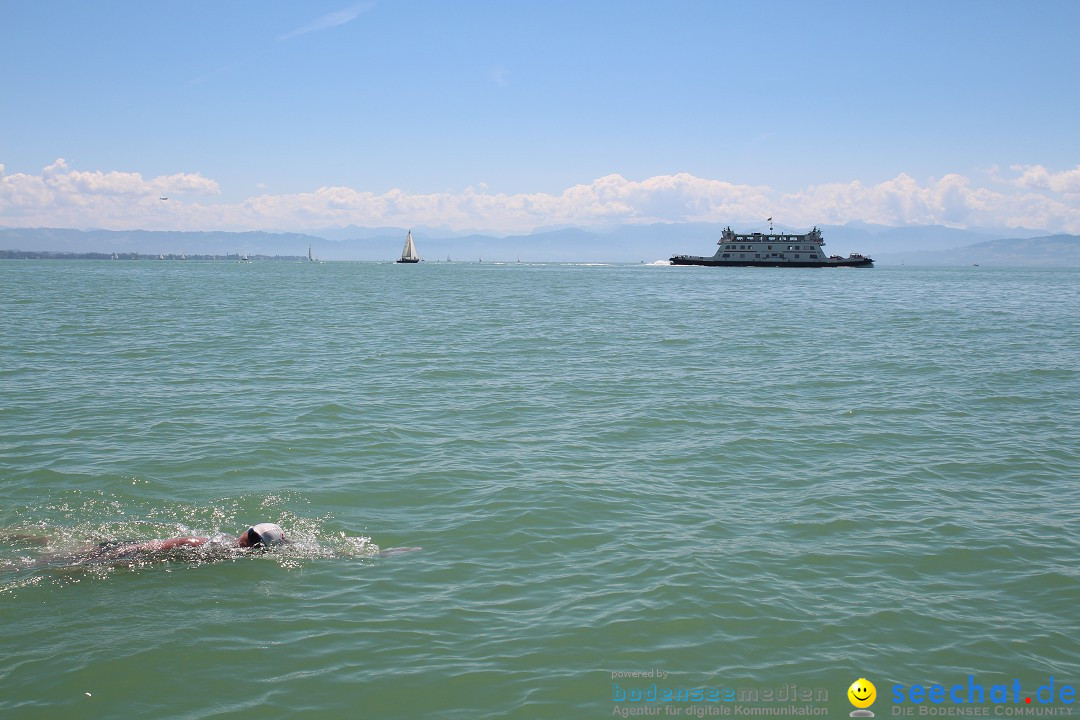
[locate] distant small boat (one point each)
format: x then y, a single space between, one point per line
408 253
309 256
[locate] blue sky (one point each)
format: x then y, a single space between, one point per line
511 115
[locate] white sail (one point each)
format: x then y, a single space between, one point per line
409 252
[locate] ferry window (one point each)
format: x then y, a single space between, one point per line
725 255
770 247
796 256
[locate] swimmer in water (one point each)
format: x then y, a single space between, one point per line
261 536
182 549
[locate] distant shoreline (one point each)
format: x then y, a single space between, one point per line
50 255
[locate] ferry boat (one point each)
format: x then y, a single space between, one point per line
772 250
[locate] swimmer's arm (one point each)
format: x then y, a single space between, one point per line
96 555
159 545
173 543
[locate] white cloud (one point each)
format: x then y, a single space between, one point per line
1037 177
64 197
59 178
950 200
330 20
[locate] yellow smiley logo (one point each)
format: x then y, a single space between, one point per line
862 693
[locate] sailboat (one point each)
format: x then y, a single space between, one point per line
408 253
309 255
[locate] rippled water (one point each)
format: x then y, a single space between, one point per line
740 477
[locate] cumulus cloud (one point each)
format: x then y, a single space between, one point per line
62 180
950 200
1039 178
608 200
62 196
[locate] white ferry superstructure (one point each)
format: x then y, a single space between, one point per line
772 250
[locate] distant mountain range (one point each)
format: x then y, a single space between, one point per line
1061 250
925 245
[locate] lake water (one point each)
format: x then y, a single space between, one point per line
740 478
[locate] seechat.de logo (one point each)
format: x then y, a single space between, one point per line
862 695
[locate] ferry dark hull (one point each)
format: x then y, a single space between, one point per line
690 260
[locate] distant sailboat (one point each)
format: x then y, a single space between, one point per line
408 253
309 257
